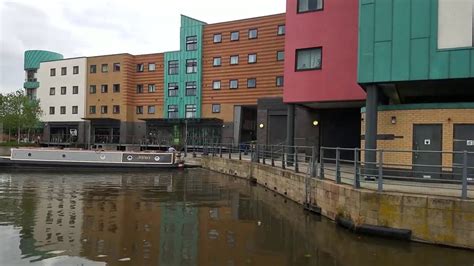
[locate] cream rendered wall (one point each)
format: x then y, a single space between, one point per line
58 81
455 23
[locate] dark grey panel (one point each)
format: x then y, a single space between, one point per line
463 141
426 139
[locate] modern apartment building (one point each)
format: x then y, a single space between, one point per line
181 111
109 97
243 62
31 64
124 90
62 92
321 87
416 62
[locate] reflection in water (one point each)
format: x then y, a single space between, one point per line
192 217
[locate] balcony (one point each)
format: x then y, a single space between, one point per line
30 84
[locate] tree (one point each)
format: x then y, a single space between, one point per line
18 111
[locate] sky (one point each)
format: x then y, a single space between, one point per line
96 27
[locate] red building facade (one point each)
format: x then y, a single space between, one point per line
320 87
331 26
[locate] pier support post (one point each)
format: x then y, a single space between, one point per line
371 113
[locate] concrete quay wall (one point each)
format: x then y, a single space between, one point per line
437 220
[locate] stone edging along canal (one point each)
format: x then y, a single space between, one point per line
431 219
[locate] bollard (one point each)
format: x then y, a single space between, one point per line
263 154
230 151
240 154
464 176
220 150
313 162
321 163
380 179
271 156
297 169
338 166
356 169
283 159
257 154
252 154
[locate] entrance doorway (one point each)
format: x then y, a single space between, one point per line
463 141
427 148
248 131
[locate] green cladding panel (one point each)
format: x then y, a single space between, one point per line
398 41
33 58
189 27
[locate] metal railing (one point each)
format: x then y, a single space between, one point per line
393 170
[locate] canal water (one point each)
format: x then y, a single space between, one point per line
188 217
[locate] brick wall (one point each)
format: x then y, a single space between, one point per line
403 131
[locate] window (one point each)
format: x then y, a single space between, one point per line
151 67
191 43
216 61
216 85
92 109
456 24
116 109
63 90
173 67
52 72
151 109
151 88
116 67
281 30
191 111
308 59
103 109
105 68
309 5
51 110
140 67
216 108
252 58
279 81
173 89
234 36
93 69
52 91
173 111
116 88
75 110
234 60
252 83
62 110
92 89
140 88
253 34
139 110
191 88
75 89
63 71
104 88
75 70
280 55
217 38
233 84
191 66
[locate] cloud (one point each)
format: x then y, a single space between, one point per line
97 27
24 27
